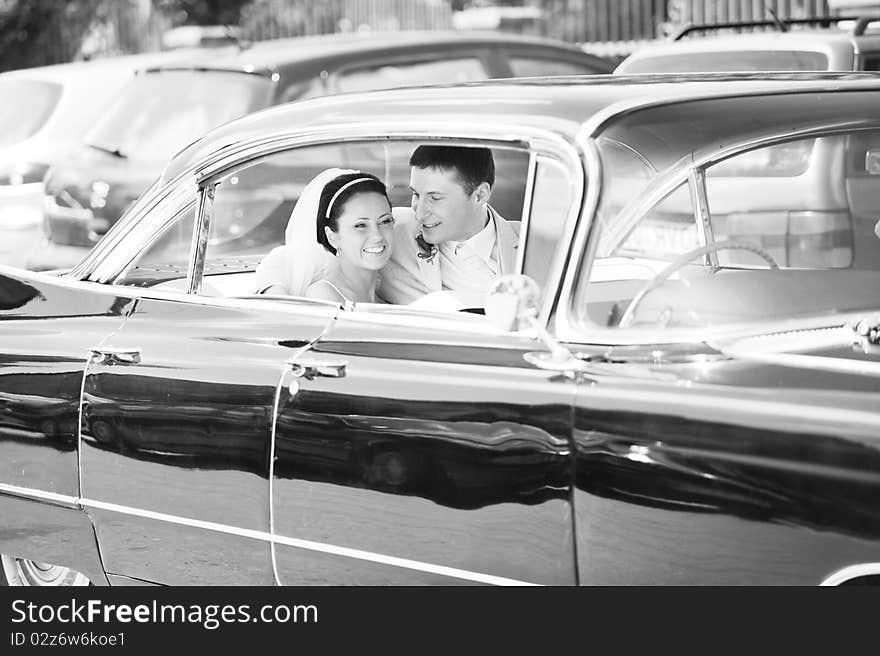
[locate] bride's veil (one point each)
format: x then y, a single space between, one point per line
302 260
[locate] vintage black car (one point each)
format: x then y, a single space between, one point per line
689 393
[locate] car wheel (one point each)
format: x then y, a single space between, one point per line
24 572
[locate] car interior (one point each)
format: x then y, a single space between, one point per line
252 206
790 231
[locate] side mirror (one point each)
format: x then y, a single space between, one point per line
512 302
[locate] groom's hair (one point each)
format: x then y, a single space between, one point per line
473 166
366 182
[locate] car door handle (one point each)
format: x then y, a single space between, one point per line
111 355
309 366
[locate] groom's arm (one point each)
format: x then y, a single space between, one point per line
400 281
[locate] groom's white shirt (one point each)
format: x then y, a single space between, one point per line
467 273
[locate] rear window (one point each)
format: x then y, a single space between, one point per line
538 66
401 74
34 102
158 114
728 61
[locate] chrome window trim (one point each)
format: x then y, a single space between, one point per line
579 183
510 134
527 208
568 328
850 572
580 238
202 228
144 232
700 205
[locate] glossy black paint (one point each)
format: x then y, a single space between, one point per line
472 474
778 483
172 435
47 329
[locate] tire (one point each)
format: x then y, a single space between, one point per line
24 572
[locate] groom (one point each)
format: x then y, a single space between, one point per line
453 240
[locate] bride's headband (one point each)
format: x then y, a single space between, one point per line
340 190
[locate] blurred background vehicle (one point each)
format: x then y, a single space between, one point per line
166 107
843 43
43 116
201 36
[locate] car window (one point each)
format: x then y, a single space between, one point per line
790 231
166 258
872 63
665 230
764 197
523 66
34 102
729 60
399 74
157 114
253 204
551 201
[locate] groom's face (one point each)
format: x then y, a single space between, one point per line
444 210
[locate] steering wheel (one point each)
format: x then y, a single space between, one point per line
728 244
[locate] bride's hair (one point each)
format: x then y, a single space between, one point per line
336 194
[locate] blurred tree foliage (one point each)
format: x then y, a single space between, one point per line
271 19
202 12
42 32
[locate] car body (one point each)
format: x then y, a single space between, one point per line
46 111
168 107
829 44
669 405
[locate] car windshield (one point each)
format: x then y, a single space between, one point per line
33 105
729 60
159 113
777 227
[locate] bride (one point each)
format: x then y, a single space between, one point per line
339 237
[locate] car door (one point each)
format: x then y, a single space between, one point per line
413 449
705 458
177 414
46 328
441 455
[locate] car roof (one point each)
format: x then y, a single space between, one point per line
121 64
836 42
560 104
265 56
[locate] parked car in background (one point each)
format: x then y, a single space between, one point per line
43 116
167 107
820 44
678 385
